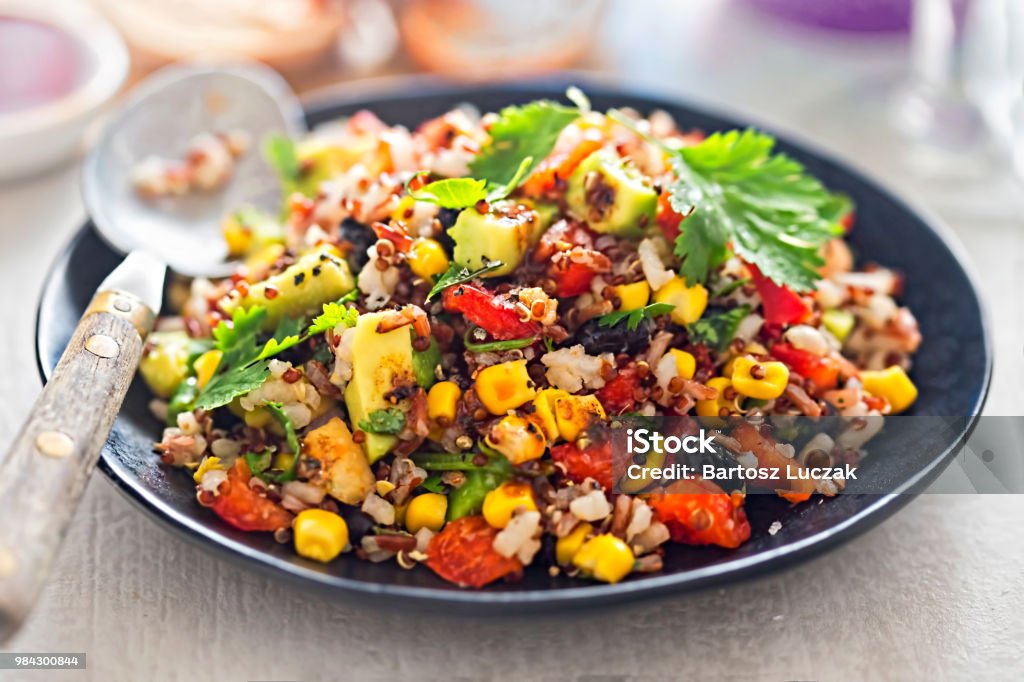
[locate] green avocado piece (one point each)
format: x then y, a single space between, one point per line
381 362
611 196
503 234
319 277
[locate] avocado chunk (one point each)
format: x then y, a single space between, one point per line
503 234
380 364
611 196
319 277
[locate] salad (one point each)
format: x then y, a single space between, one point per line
425 351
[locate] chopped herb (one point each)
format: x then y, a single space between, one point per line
634 317
519 133
433 484
333 315
390 421
458 274
491 346
281 154
728 288
258 462
718 330
276 410
461 193
549 344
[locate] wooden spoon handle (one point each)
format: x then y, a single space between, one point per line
45 470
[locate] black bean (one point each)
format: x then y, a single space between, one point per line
617 339
361 237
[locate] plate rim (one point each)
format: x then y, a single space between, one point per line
762 563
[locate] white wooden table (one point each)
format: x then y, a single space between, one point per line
935 592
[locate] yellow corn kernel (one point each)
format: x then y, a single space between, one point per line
320 535
633 296
427 258
207 464
761 380
605 558
893 384
505 386
686 364
426 511
519 439
283 461
567 547
205 366
237 236
443 400
689 302
754 348
384 487
574 413
500 503
544 411
258 418
400 511
630 485
712 408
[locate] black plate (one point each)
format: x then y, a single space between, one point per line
952 371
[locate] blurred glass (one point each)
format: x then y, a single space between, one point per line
488 39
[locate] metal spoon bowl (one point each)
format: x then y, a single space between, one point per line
163 114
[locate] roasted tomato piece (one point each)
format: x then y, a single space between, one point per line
617 395
463 554
698 512
243 507
666 217
557 168
594 461
574 270
822 371
781 304
495 314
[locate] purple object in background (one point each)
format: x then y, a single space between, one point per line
847 15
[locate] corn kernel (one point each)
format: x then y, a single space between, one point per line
686 364
207 464
770 385
384 487
633 296
544 411
320 535
520 440
407 203
567 547
426 511
711 408
893 384
205 366
237 236
258 418
443 400
500 503
505 386
574 413
689 302
755 348
605 558
427 258
283 461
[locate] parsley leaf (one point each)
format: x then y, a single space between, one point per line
333 315
457 274
225 387
280 153
242 368
764 206
390 421
717 331
520 132
452 192
634 317
433 484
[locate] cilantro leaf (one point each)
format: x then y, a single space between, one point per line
457 274
634 317
521 132
258 462
226 386
333 315
433 484
237 340
452 192
764 206
390 421
717 331
287 335
280 153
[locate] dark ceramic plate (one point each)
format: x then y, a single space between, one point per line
952 371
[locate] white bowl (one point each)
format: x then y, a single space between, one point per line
42 136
